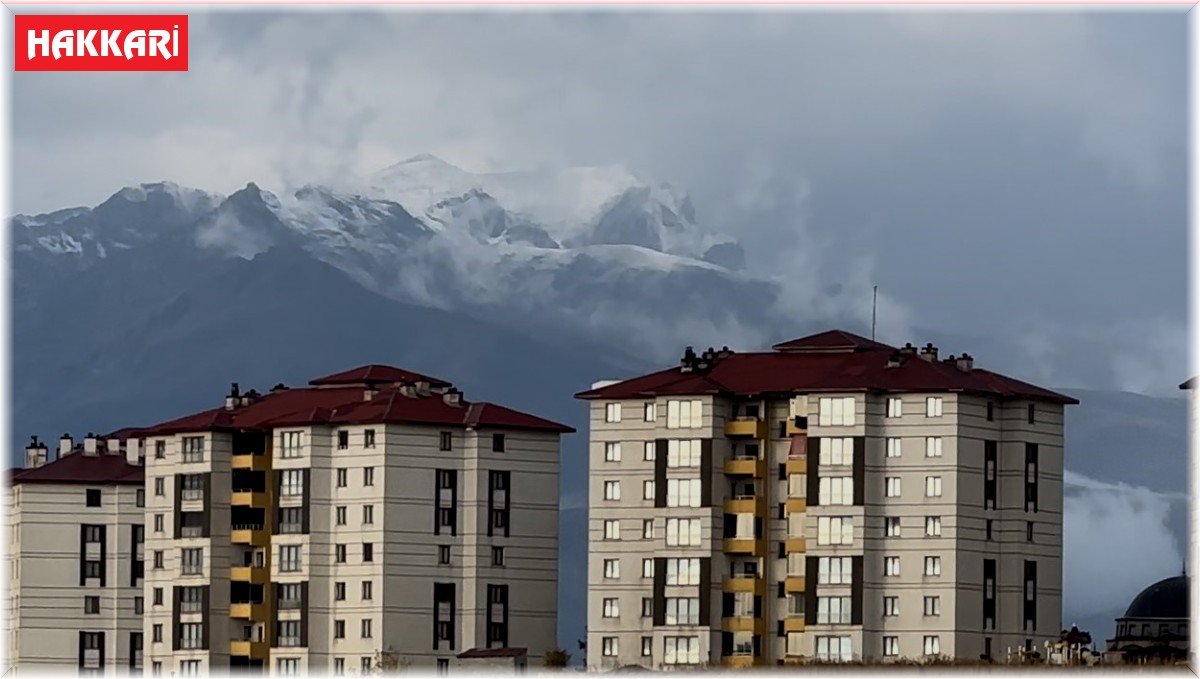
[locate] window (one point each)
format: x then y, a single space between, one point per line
933 446
833 649
833 610
891 566
339 629
1032 412
891 486
289 558
835 412
891 526
933 605
837 452
289 633
191 635
291 482
141 497
836 491
339 591
368 476
612 569
160 487
683 454
368 552
365 665
445 440
893 447
835 530
158 559
288 666
647 490
649 451
341 478
933 526
612 452
192 560
1029 531
647 568
681 651
891 647
608 646
683 611
647 646
91 605
685 414
683 572
339 554
988 529
895 407
683 492
366 628
991 411
933 565
647 529
612 412
193 449
368 438
368 590
368 514
158 523
612 490
189 668
611 608
891 606
290 444
833 570
932 645
933 486
683 532
340 513
650 412
933 406
343 440
498 556
160 450
612 530
647 607
156 634
139 605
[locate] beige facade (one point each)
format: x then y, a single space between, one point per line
856 525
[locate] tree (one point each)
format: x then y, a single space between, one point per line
557 657
389 661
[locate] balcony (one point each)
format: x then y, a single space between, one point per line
744 623
248 649
793 623
737 545
289 604
745 466
795 546
794 584
741 504
744 583
796 465
746 427
739 661
251 574
254 462
250 534
249 498
796 505
248 611
796 426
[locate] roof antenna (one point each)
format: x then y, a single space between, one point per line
874 303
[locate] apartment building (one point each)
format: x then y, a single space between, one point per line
835 499
75 559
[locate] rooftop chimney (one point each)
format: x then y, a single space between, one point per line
234 397
250 397
929 352
688 363
90 445
35 453
371 391
408 390
452 397
279 387
422 388
908 349
966 363
896 359
66 445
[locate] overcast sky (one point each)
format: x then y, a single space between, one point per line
992 170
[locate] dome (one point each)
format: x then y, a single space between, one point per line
1164 599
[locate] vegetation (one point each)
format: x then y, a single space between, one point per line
557 657
389 661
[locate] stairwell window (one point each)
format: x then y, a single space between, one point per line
933 446
650 412
834 649
681 651
289 558
612 452
835 530
685 414
683 453
933 406
291 483
192 560
290 444
833 610
612 490
683 492
835 411
683 532
837 452
834 570
933 486
683 572
895 407
193 449
612 412
835 491
683 611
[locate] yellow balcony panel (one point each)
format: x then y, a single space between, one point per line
248 611
739 661
794 545
246 498
744 623
256 537
739 546
797 426
745 584
794 623
796 465
751 427
249 649
742 505
794 584
796 505
256 463
745 466
250 574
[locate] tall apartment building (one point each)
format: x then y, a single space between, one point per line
307 529
75 560
834 499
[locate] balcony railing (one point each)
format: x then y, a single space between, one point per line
192 569
191 531
289 604
248 526
191 607
291 528
190 644
289 642
191 494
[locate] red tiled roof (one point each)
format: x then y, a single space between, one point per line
834 361
78 468
379 374
494 653
346 405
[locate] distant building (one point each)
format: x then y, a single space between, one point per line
1155 626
